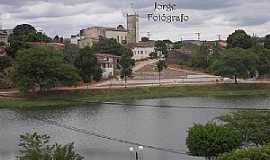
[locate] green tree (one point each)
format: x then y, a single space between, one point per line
126 64
110 46
21 35
71 53
160 66
263 60
56 39
239 39
65 152
210 140
161 48
43 68
267 41
252 153
88 66
235 63
6 72
200 56
38 37
254 126
178 45
153 55
36 147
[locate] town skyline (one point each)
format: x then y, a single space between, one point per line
210 18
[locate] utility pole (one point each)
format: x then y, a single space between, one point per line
219 37
1 21
199 36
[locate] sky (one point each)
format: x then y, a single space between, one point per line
209 17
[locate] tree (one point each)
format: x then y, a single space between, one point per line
200 56
56 39
21 35
110 46
38 37
6 72
153 55
43 68
267 42
36 147
88 66
254 126
263 60
71 53
178 45
235 63
210 140
161 48
126 64
252 153
161 65
239 39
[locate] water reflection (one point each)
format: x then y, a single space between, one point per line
162 125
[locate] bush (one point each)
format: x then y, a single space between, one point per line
210 140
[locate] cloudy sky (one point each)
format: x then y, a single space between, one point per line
209 17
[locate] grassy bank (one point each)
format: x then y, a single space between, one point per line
103 95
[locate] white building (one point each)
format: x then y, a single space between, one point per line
74 39
142 50
108 64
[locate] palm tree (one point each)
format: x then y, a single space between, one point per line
161 65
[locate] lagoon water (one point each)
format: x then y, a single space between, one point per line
157 122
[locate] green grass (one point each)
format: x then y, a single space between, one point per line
55 99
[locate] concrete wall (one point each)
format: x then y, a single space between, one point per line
120 36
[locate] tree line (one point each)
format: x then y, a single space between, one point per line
30 68
244 56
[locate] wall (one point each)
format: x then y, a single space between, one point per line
118 35
137 55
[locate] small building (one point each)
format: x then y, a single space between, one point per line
3 51
108 64
142 50
3 37
75 39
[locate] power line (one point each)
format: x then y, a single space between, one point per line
180 107
92 133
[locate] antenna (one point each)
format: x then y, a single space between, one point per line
199 36
148 35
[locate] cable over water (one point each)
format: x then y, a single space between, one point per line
92 133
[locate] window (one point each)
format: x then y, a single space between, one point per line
141 52
118 39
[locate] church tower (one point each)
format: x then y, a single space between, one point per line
132 26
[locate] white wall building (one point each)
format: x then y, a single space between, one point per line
142 50
108 64
75 39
